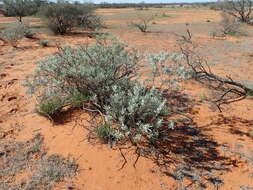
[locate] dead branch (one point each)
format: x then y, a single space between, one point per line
203 73
138 156
125 160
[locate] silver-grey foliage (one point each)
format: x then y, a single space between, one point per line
109 74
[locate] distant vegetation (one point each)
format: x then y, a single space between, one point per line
143 5
62 17
242 10
21 8
140 6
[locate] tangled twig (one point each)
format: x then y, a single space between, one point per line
202 71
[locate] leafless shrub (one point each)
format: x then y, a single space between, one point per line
143 23
231 25
240 9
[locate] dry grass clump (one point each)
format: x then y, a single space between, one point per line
25 166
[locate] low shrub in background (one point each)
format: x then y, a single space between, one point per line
91 22
143 23
232 26
20 8
62 17
14 32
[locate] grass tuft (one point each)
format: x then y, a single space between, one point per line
77 99
105 133
50 108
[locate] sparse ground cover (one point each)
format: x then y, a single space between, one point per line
209 152
25 165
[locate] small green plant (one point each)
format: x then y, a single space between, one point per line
77 99
105 133
44 43
202 97
50 107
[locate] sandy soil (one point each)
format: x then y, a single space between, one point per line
99 164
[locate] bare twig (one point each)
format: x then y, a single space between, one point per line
202 71
125 160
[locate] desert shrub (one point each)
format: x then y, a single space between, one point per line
44 43
90 69
62 17
231 26
91 22
104 77
14 32
143 23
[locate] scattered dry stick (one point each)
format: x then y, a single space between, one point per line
203 72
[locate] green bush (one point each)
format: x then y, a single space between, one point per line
62 17
14 32
108 76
